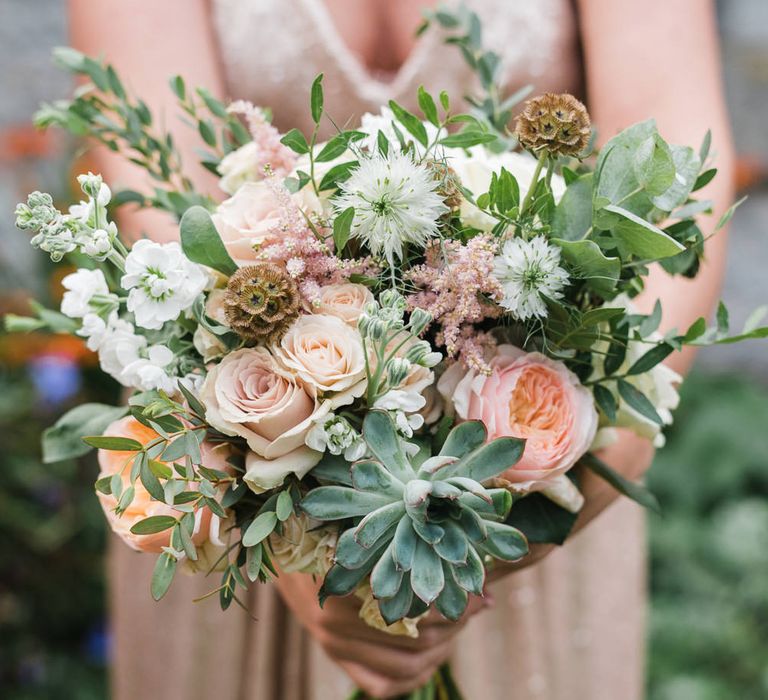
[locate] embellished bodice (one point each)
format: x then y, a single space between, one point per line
272 49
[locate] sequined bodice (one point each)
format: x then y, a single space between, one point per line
272 50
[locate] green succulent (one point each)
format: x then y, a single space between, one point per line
421 528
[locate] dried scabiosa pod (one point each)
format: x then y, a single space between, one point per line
261 301
558 124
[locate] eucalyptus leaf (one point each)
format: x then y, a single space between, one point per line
572 218
641 237
588 262
63 440
201 242
653 165
260 528
162 576
638 401
153 524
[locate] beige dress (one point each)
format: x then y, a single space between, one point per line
571 627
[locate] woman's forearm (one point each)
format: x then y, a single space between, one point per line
148 42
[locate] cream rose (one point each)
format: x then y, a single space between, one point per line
345 301
240 166
250 395
248 220
300 547
326 353
371 615
113 462
475 170
528 395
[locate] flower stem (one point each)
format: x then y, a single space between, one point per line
529 194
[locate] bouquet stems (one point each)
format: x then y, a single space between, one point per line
440 687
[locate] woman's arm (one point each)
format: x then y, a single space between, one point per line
660 59
148 42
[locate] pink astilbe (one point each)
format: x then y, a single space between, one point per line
457 287
271 155
306 254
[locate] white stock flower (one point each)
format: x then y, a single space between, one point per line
529 271
125 356
400 400
407 422
97 245
162 282
337 436
395 202
82 286
95 187
82 212
94 328
146 373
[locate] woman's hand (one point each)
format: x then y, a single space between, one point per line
381 664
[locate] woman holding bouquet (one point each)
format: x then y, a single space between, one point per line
562 624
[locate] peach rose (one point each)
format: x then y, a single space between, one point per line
249 394
207 525
528 395
345 301
325 353
247 220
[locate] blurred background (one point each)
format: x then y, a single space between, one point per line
708 617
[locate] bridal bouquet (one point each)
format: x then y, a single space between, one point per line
383 359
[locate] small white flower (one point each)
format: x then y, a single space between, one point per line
124 355
146 373
119 347
529 271
82 286
94 328
400 400
407 423
82 212
94 186
97 245
395 202
162 282
336 435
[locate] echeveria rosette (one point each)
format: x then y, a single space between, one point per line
421 530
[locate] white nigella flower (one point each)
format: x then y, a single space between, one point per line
395 202
162 282
82 287
336 434
529 271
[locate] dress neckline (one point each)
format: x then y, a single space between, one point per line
364 81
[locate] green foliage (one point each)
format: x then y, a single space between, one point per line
64 439
201 241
